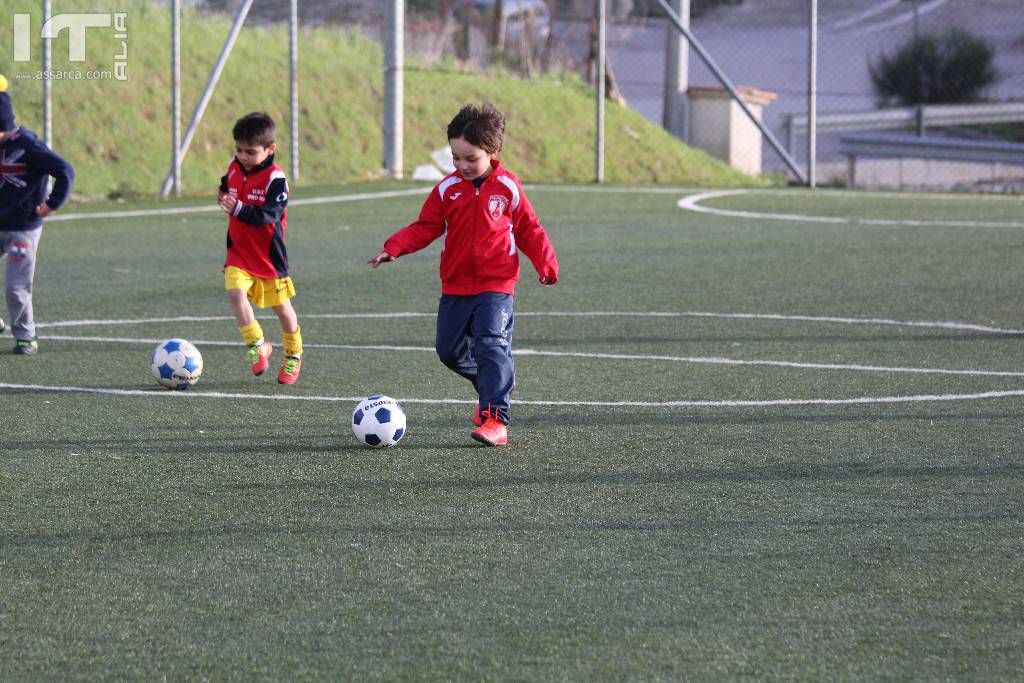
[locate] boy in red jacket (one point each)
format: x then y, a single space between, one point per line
485 219
254 194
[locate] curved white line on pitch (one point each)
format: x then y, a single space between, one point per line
579 314
335 199
696 360
691 203
782 402
713 360
780 317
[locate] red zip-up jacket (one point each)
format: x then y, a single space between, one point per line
256 228
484 229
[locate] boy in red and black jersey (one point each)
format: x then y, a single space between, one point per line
254 194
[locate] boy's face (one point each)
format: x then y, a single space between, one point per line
251 155
470 161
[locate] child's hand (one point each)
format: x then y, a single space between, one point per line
548 280
43 210
382 257
227 203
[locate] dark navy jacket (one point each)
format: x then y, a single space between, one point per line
26 164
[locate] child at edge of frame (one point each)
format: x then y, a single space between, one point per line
485 218
254 194
26 166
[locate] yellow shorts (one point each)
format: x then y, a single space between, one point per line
262 291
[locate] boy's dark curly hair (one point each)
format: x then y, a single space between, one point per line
256 128
481 126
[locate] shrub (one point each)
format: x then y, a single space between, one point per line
954 67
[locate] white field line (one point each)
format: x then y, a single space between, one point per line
817 192
713 360
781 317
169 211
949 325
334 199
213 318
784 402
884 194
696 360
691 203
213 342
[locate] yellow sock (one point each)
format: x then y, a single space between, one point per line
292 342
251 333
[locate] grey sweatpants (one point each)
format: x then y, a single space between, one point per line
20 248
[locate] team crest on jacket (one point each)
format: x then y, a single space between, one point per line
496 205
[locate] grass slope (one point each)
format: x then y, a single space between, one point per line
117 133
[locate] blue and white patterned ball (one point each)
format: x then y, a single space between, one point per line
378 421
176 364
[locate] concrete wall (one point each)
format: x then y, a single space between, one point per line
719 126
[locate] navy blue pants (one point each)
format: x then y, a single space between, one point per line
474 339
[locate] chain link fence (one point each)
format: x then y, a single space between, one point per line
764 45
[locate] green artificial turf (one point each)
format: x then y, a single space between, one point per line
223 533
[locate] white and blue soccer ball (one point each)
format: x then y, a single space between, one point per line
378 421
176 364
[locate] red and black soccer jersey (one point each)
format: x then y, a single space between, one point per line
256 228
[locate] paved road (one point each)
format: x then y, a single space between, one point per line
763 43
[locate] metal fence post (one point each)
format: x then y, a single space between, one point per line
602 34
293 58
176 96
812 93
677 76
393 92
47 83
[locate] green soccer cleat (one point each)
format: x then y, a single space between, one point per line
26 347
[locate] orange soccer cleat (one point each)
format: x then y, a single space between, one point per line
259 357
493 432
478 412
290 370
